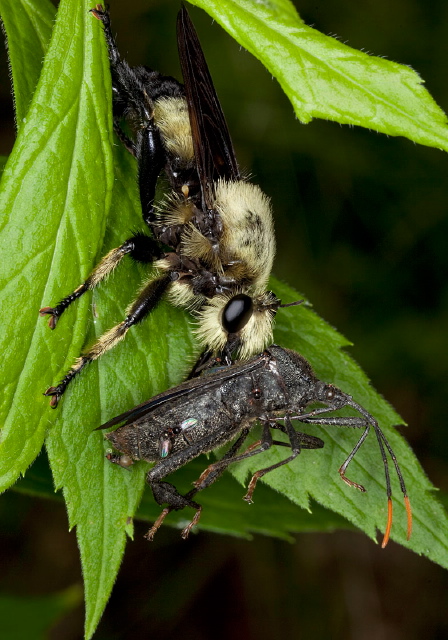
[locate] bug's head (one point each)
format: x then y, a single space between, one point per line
123 439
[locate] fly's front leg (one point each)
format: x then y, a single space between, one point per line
102 14
209 360
140 247
146 301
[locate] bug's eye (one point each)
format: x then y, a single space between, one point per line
330 393
237 312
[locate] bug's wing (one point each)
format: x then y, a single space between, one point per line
213 149
147 406
198 385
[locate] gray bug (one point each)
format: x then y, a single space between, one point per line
202 414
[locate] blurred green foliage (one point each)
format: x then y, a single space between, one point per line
24 618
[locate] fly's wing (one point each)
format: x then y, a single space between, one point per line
198 385
213 149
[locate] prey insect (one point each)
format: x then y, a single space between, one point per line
200 415
211 239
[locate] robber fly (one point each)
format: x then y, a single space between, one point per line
200 415
212 238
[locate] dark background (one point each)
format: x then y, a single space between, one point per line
361 230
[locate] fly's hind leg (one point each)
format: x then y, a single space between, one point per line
125 82
134 91
146 301
140 247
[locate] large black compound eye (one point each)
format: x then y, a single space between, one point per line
237 313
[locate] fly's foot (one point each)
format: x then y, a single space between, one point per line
55 394
50 311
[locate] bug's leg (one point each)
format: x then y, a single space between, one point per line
366 423
146 301
294 443
214 470
165 492
306 441
338 421
139 247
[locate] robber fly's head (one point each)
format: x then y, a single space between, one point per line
247 318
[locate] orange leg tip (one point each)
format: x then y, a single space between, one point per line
388 525
407 504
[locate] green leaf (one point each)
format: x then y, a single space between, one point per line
55 197
38 480
324 78
3 161
27 25
101 500
55 189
